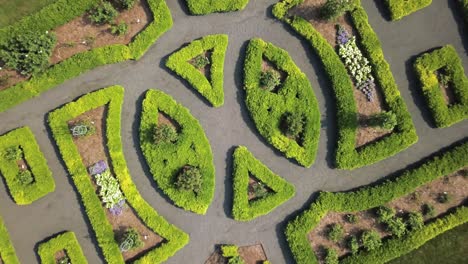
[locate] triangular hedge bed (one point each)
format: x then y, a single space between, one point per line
245 164
212 87
167 159
204 7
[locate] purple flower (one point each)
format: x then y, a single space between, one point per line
98 168
118 208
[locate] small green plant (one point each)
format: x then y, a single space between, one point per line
189 179
13 153
130 240
229 250
270 79
236 260
64 260
396 227
259 190
353 244
119 29
4 80
333 9
385 120
371 240
385 214
351 218
415 221
331 256
25 177
293 125
164 133
83 128
444 197
428 210
125 4
201 61
103 13
443 77
335 233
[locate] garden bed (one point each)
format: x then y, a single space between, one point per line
253 254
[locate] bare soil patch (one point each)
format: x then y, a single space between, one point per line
446 88
253 254
60 255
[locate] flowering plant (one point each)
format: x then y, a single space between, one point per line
109 189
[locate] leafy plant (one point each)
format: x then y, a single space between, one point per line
64 260
385 213
331 256
13 153
444 197
332 9
229 250
371 240
164 133
270 79
130 240
335 233
83 128
119 29
236 260
125 4
351 218
28 53
200 61
385 120
25 177
189 179
103 13
259 190
109 189
396 227
293 125
353 244
428 210
415 221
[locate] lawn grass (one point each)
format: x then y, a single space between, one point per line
14 10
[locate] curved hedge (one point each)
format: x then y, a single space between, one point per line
65 241
43 181
425 66
204 7
60 12
401 8
212 89
244 165
7 251
404 135
167 159
369 197
113 98
294 96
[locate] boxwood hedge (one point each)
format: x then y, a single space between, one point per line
204 7
167 159
369 197
244 165
212 88
426 66
7 251
113 98
43 182
65 241
60 12
401 8
295 96
404 134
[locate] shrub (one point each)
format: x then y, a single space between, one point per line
236 260
203 7
401 8
371 240
119 29
189 179
229 251
351 218
65 241
385 120
201 61
83 128
293 125
6 247
428 210
125 4
332 9
29 52
444 197
331 256
415 221
353 244
259 190
130 240
25 177
109 189
385 213
396 227
335 233
13 153
270 79
164 133
103 13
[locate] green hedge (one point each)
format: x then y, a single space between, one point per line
203 7
244 165
294 96
425 66
167 159
43 181
65 241
404 135
401 8
464 9
211 89
61 12
113 98
369 197
7 251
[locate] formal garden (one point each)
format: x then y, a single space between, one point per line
233 131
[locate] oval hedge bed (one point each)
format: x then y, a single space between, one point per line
167 159
7 251
401 8
112 96
204 7
59 13
65 241
294 100
35 180
369 197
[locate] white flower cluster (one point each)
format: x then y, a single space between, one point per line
109 189
355 62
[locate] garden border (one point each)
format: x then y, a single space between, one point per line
204 7
7 251
63 241
400 8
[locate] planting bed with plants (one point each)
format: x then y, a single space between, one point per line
233 254
61 249
177 151
401 8
284 110
444 85
204 7
201 63
73 126
24 167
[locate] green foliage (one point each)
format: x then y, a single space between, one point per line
191 148
112 97
385 120
65 241
270 79
426 66
464 8
415 221
204 7
333 9
190 179
64 260
331 256
201 61
119 29
295 96
351 218
103 13
428 210
22 186
353 244
229 251
130 240
7 251
246 164
109 189
90 128
259 190
371 240
184 63
294 125
29 52
236 260
401 8
444 197
396 227
385 213
125 4
164 133
335 232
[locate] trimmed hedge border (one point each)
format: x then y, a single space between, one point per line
65 241
113 98
179 63
369 197
294 96
43 181
425 67
7 251
59 13
404 135
204 7
167 159
244 164
401 8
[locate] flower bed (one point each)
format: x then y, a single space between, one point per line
401 8
175 239
204 7
207 80
24 167
63 242
288 119
166 159
426 66
7 251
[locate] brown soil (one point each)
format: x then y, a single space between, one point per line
13 78
22 165
167 120
456 185
269 65
59 255
447 91
253 254
92 149
251 193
